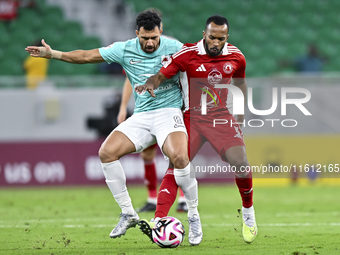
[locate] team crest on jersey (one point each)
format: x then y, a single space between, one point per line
214 77
166 60
228 68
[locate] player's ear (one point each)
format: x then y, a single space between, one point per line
203 34
137 33
227 37
161 31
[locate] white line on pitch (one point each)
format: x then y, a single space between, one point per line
279 215
57 220
306 214
203 216
204 225
277 224
233 225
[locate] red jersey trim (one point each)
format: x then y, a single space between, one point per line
184 50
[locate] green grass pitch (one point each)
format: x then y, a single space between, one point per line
78 220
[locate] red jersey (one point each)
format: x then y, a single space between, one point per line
201 72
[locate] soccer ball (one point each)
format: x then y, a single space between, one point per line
168 232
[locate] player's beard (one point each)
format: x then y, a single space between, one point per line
212 53
151 49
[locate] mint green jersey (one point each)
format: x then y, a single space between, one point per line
139 66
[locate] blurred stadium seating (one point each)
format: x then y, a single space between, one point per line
46 22
266 31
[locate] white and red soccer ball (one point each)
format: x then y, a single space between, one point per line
168 232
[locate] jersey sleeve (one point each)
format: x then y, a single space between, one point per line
241 70
176 63
179 45
113 52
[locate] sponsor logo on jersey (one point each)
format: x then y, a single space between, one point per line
163 87
214 77
201 68
143 80
134 62
228 67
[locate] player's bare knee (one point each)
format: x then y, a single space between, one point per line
103 155
106 155
239 163
180 160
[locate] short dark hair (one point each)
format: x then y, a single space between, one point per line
159 12
218 20
149 20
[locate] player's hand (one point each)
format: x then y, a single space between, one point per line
146 87
43 52
121 115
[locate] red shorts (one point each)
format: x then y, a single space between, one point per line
154 146
221 137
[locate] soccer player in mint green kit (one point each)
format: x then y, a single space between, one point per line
155 120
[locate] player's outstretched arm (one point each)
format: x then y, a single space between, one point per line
76 57
152 83
127 92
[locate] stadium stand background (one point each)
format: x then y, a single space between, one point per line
266 31
48 22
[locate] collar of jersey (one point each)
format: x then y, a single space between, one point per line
203 52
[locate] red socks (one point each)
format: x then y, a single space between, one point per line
151 178
245 187
167 194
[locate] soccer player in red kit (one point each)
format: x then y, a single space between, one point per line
204 64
